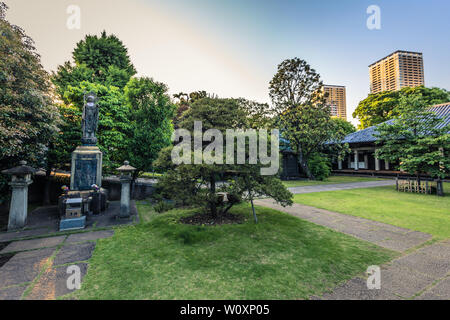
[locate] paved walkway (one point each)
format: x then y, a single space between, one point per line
37 269
341 186
422 274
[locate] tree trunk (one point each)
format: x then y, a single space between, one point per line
46 199
213 201
304 165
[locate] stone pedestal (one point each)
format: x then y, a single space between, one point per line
86 168
125 197
19 204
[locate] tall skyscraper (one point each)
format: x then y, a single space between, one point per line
336 100
396 71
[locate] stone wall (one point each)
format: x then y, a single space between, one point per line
142 189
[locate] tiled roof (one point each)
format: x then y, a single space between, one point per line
368 135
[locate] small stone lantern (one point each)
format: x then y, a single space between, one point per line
125 179
20 180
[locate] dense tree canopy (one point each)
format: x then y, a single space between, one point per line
416 139
27 118
151 111
294 84
101 60
135 113
383 106
298 98
195 184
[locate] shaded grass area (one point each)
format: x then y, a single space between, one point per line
425 213
329 180
282 257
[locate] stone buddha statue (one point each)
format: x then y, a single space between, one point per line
90 121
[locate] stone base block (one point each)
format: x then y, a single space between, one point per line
86 168
72 224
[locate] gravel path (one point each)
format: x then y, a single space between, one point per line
341 186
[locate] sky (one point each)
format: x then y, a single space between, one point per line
232 47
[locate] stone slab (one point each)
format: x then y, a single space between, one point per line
89 236
442 288
423 263
49 216
24 267
9 236
404 281
400 244
33 244
53 283
72 224
356 289
13 293
438 250
74 253
429 296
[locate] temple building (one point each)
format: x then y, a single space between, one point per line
362 144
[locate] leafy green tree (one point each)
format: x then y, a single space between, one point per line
151 111
183 101
297 95
196 184
259 115
417 139
101 65
320 166
343 127
27 118
307 128
380 107
294 84
96 59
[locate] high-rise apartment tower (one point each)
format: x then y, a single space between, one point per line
336 99
396 71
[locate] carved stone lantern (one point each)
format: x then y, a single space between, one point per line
125 180
20 180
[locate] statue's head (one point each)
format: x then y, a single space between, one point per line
90 99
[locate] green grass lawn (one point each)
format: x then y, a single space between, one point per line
282 257
426 213
330 180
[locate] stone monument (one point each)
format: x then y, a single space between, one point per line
86 197
87 159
